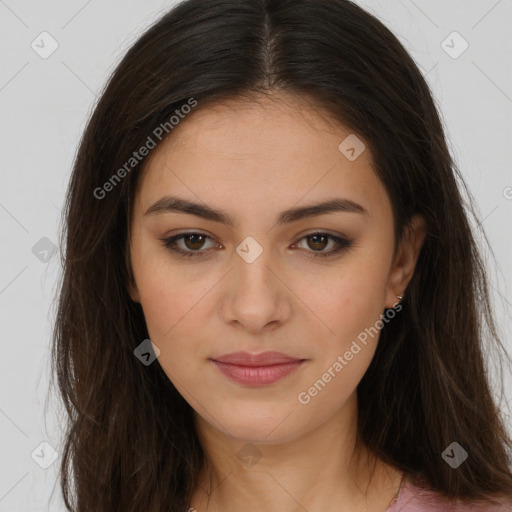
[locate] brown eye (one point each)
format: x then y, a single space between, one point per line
188 244
194 241
317 242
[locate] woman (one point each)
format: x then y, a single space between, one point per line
272 297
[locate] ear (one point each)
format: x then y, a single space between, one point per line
405 259
133 291
131 285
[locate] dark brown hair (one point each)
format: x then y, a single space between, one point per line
130 442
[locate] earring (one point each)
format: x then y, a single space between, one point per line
399 297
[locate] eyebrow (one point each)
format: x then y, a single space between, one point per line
173 204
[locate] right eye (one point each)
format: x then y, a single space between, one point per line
193 243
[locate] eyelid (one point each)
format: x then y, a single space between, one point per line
320 231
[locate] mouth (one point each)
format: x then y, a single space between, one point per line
257 369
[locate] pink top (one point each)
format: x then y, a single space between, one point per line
422 499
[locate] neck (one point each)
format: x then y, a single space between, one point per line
321 470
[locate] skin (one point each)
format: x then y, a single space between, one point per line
253 160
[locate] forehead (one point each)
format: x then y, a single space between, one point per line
269 152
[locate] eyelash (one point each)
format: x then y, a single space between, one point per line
170 243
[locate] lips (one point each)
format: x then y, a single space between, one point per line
263 359
256 369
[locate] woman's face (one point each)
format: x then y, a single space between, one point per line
264 273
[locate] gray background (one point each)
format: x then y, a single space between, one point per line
44 103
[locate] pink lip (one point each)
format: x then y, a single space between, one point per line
256 369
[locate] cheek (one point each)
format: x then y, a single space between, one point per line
347 302
169 307
168 300
353 312
170 313
168 292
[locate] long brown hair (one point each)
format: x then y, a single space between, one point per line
130 441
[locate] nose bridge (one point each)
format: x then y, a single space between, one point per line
256 295
252 273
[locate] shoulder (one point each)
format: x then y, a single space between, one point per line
418 497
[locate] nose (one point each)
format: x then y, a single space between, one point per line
255 296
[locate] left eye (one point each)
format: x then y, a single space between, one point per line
194 242
319 241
